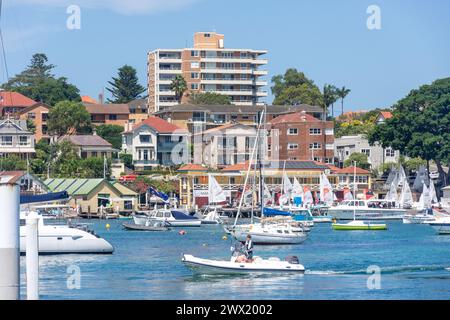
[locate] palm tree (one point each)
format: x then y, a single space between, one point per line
342 93
179 86
329 98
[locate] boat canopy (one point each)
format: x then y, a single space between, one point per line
47 197
178 215
269 212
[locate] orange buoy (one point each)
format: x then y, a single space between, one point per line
182 232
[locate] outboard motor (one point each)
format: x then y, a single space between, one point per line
292 259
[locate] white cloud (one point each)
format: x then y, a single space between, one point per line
127 7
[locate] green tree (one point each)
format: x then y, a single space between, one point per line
179 86
127 159
420 126
125 87
329 98
295 88
209 98
68 117
12 162
341 94
111 133
93 168
38 83
362 161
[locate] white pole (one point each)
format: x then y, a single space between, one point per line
9 240
354 190
32 256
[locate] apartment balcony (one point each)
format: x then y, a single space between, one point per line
243 103
261 83
169 71
259 61
166 103
226 70
234 92
261 93
168 82
226 81
260 72
168 146
170 59
166 93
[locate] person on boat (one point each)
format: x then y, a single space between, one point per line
249 248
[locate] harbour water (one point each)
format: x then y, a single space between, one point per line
414 264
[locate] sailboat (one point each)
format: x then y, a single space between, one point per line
358 224
425 213
216 195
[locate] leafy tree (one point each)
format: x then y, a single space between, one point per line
329 98
111 133
93 168
295 88
127 159
125 87
179 86
420 126
68 117
353 127
12 162
341 94
362 161
38 83
209 98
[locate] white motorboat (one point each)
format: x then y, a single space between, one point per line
270 233
372 209
62 239
211 216
421 217
173 218
441 225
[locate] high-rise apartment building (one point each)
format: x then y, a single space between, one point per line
207 67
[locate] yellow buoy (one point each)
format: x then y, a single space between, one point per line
107 226
224 238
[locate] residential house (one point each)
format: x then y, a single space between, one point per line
138 110
12 103
15 139
382 116
377 155
207 67
156 142
90 146
38 114
28 182
225 145
90 194
109 113
300 136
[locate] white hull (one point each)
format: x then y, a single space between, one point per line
62 240
418 219
206 266
367 214
440 227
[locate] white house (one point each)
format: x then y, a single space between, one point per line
16 139
156 142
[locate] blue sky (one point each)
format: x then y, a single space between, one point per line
326 39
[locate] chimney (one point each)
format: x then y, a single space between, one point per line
100 98
94 131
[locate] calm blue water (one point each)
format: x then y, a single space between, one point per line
146 265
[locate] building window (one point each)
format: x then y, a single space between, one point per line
292 146
207 35
198 116
315 131
317 159
94 154
194 65
292 131
144 138
329 160
389 153
194 75
103 154
366 152
23 140
145 154
293 158
112 117
315 146
194 53
31 115
194 86
7 141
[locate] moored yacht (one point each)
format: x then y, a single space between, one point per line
173 218
63 239
372 209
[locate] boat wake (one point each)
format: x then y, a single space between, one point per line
384 270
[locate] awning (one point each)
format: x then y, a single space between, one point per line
48 197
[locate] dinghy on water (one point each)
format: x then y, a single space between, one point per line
234 266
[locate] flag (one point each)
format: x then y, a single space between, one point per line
158 194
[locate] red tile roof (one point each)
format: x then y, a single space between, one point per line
88 99
386 114
294 118
192 167
237 167
350 170
14 99
160 125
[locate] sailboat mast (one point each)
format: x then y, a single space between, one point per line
354 190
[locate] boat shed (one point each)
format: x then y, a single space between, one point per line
88 195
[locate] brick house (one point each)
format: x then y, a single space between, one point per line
108 113
12 103
38 114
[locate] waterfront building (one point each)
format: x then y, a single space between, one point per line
11 103
156 142
225 145
377 155
15 139
207 67
199 118
90 194
194 179
109 113
300 136
90 146
28 182
38 115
